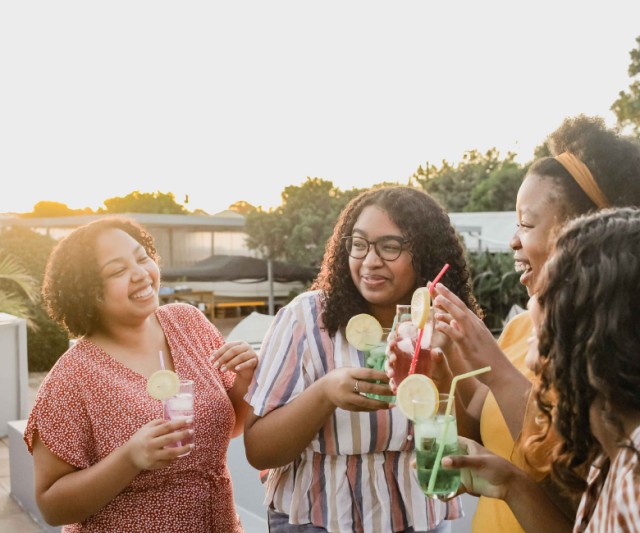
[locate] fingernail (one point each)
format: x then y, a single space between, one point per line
446 461
190 432
223 368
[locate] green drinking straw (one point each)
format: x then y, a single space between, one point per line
454 381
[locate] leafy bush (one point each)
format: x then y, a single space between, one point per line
497 286
47 341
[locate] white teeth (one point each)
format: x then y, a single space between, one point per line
142 293
522 267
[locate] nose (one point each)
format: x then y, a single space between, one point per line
373 258
514 242
139 273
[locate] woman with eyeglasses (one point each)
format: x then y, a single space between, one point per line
340 461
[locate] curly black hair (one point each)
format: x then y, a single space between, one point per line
432 240
590 340
614 162
72 282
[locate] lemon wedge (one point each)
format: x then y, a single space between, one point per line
163 384
420 306
421 388
363 330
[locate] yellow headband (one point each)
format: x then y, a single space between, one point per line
581 173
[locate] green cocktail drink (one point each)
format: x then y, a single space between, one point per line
429 433
375 357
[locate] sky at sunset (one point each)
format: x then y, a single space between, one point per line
228 101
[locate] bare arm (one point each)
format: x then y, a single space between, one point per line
238 357
66 495
478 348
280 436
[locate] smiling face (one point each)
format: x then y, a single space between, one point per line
382 283
130 277
539 209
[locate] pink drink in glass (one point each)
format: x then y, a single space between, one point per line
180 407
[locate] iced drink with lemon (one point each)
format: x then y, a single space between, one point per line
375 357
405 339
366 335
177 398
429 432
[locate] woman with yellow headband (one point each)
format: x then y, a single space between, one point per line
591 168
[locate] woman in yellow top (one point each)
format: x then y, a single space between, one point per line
592 168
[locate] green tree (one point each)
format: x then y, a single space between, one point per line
242 207
46 341
499 190
627 106
46 209
463 187
144 202
17 288
298 229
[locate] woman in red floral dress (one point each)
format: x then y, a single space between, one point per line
104 458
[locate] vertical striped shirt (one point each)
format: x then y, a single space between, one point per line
613 506
356 474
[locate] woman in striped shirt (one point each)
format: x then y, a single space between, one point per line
340 461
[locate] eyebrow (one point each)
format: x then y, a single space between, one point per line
121 259
365 234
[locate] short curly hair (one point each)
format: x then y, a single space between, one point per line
590 340
72 282
614 162
432 239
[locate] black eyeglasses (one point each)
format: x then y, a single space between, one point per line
387 248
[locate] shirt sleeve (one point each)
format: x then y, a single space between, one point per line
61 421
283 363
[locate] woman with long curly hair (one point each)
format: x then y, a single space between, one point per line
340 461
589 341
590 167
589 346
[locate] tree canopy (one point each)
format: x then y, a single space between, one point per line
480 182
144 202
627 106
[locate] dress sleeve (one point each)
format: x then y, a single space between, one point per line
61 420
283 363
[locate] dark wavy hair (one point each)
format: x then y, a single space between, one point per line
614 162
432 241
590 339
72 282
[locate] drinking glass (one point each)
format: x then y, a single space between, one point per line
180 407
375 357
429 430
403 344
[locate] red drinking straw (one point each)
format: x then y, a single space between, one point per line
416 353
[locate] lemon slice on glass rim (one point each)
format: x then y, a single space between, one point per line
421 388
420 306
163 384
363 330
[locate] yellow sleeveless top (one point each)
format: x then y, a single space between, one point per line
494 515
